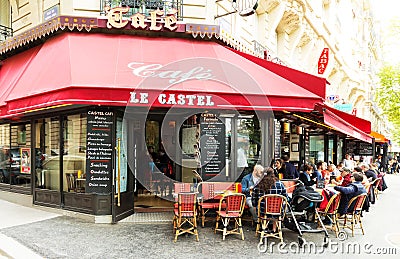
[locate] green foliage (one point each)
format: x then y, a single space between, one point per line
387 97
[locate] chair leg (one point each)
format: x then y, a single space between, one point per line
361 226
240 227
174 223
203 217
195 229
225 222
258 226
216 224
178 224
279 228
335 225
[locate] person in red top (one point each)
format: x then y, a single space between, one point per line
346 175
344 179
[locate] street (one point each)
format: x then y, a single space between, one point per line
50 235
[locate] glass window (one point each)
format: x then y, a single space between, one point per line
248 144
20 155
4 153
330 150
47 154
74 157
316 148
206 147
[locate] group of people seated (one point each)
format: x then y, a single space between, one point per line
258 183
350 181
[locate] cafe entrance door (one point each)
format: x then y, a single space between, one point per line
123 176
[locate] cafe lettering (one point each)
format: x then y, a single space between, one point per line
158 19
173 99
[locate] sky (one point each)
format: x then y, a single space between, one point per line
385 11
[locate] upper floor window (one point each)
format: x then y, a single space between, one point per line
5 20
146 6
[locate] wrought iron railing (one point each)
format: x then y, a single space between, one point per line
5 32
265 53
145 6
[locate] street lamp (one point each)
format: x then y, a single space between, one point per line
245 7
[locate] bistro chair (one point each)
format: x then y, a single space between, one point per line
376 185
71 181
179 188
185 215
353 215
210 194
230 207
331 211
271 209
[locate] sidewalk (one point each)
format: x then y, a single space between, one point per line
52 236
14 215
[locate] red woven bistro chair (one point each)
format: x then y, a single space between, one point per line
231 207
353 215
185 215
271 209
331 211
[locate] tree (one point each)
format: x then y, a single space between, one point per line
388 97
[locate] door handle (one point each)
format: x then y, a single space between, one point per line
119 173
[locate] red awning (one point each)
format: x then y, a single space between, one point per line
78 68
314 84
346 123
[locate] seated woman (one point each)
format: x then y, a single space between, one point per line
279 168
269 184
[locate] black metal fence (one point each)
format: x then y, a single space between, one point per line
5 32
145 6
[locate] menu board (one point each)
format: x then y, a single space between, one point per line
359 148
212 143
365 149
277 150
99 151
351 147
307 145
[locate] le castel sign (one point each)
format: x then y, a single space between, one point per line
157 20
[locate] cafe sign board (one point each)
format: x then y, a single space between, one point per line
99 151
156 22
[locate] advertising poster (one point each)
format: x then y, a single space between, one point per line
25 160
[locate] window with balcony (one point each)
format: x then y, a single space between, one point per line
146 6
5 20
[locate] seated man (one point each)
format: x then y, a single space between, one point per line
248 183
352 190
307 177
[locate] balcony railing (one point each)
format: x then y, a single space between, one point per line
265 53
5 32
145 6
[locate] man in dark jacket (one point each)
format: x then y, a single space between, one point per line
370 174
291 171
306 177
352 190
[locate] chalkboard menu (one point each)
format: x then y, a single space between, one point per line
99 151
277 151
351 147
212 143
365 149
307 146
359 148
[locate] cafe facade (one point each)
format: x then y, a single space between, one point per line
98 112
